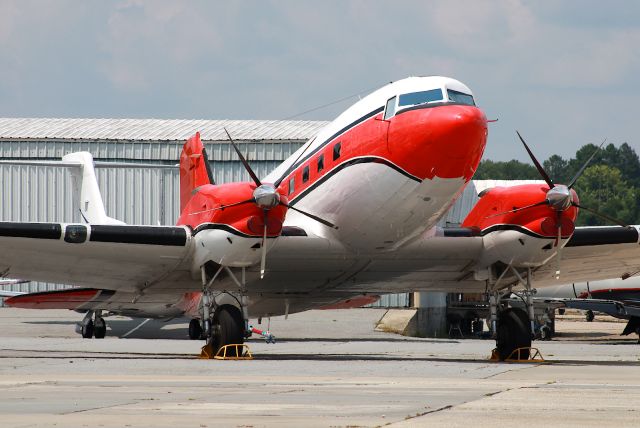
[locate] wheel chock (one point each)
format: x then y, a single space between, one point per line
236 351
516 356
206 353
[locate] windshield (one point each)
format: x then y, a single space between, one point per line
423 97
460 97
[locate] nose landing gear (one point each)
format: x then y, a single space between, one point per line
223 324
512 327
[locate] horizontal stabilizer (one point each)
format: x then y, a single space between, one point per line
57 299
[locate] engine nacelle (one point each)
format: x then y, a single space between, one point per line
519 227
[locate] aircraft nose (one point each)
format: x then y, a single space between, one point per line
446 141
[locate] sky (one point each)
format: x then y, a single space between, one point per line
564 73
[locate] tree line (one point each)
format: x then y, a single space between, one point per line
611 183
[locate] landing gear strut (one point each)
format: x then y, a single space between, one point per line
222 324
512 327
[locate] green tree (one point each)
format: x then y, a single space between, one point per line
556 167
602 188
510 170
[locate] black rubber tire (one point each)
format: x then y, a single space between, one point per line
195 330
87 330
513 332
589 315
230 326
100 329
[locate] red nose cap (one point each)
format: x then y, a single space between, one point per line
446 141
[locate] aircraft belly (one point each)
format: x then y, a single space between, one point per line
377 207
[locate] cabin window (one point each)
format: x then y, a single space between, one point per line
305 174
423 97
292 187
460 97
390 108
336 151
320 163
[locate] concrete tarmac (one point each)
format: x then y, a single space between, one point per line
328 369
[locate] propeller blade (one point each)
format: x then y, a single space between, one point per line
599 214
221 207
316 218
559 246
581 170
537 204
263 262
539 167
253 175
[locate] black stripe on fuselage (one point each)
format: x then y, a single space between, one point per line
227 228
514 227
146 235
31 230
293 167
349 163
603 236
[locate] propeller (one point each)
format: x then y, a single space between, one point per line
266 196
559 197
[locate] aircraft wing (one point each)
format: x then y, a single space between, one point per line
109 257
595 253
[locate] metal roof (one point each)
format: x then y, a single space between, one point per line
155 129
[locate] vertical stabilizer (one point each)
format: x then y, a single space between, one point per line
86 190
194 169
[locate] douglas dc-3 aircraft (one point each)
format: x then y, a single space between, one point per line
352 213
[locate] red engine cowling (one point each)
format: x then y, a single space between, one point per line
517 225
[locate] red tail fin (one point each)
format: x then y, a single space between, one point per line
194 169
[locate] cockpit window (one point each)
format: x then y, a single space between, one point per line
390 108
423 97
460 97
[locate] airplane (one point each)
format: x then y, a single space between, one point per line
349 215
619 297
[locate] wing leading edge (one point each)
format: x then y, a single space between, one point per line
109 257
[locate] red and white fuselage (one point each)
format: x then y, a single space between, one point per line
390 166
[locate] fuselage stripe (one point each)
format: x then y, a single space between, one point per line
349 163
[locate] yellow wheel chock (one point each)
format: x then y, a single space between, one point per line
517 356
236 351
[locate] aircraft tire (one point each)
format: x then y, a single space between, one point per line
100 329
513 333
87 330
230 326
195 331
589 315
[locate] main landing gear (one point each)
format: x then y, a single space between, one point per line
512 327
92 325
223 324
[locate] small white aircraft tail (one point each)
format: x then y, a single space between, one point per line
86 190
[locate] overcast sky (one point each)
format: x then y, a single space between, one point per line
563 73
